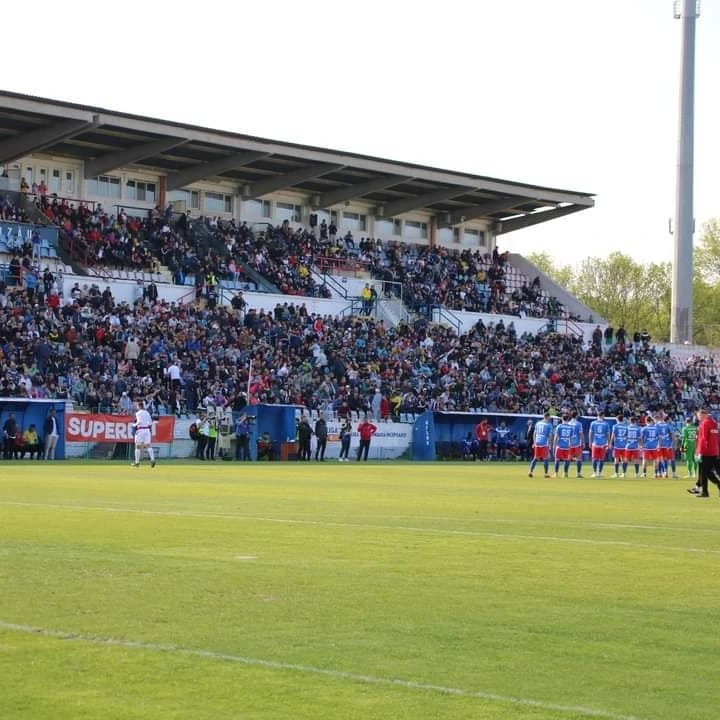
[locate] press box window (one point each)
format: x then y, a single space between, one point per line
257 208
414 229
140 191
104 186
354 221
218 202
288 211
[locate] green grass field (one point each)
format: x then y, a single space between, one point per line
339 591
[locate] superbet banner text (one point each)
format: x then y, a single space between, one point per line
80 427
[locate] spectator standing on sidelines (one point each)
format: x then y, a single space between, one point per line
51 434
599 436
542 442
10 431
708 450
321 434
304 433
202 437
688 439
212 436
242 438
482 433
345 437
366 430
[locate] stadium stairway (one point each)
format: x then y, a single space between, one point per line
551 288
263 284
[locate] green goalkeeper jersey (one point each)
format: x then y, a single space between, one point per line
688 436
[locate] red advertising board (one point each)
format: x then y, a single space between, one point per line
83 427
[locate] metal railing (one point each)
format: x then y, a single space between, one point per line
330 281
332 265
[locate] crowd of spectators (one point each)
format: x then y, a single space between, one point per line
464 280
84 346
101 239
283 255
10 211
287 257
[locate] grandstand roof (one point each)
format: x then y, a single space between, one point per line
107 140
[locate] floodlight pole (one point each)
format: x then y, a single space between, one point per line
681 321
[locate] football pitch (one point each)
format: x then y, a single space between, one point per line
340 591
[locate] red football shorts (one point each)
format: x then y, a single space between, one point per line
650 454
666 454
542 452
576 453
598 452
563 453
632 456
620 455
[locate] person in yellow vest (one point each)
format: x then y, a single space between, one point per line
31 444
395 403
211 439
366 295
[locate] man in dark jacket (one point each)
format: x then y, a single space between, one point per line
321 435
304 433
242 438
10 430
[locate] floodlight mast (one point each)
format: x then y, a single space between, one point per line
681 321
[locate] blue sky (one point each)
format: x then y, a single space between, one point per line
579 95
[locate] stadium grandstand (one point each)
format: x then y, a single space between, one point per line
269 272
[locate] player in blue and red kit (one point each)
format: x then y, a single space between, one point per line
599 437
618 443
632 447
564 434
576 449
542 442
649 442
666 442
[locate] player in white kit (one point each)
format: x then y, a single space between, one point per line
143 439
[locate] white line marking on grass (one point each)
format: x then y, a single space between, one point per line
537 521
311 669
246 557
371 526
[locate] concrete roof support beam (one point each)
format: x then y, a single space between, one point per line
112 161
473 212
202 171
524 221
352 192
280 182
35 141
398 207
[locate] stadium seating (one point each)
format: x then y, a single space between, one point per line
82 350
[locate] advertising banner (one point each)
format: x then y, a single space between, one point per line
85 428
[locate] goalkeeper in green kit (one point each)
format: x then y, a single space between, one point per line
688 436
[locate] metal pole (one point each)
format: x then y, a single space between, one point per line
681 325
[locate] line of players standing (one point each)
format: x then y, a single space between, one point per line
651 444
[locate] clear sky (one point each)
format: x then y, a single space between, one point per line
573 94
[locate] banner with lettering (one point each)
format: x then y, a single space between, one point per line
84 427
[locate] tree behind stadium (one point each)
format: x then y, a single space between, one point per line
637 295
